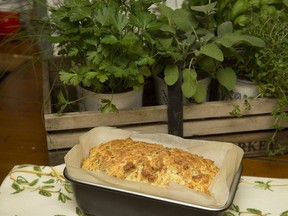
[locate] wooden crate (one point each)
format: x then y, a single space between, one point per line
209 121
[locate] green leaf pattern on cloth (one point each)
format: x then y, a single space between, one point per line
55 186
268 186
255 196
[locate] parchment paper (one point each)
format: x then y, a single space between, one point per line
226 156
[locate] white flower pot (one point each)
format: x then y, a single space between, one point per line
244 87
161 90
91 101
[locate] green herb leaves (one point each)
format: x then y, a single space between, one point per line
105 42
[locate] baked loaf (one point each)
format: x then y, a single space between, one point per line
151 163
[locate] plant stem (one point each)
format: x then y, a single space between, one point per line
55 173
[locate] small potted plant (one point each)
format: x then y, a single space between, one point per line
192 42
266 67
106 48
270 63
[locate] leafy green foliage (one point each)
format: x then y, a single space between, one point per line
184 20
236 111
114 44
189 86
201 93
261 42
105 42
227 77
268 65
171 74
270 62
213 51
191 41
108 106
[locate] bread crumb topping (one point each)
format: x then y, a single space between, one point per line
155 164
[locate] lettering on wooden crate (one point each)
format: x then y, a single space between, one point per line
253 146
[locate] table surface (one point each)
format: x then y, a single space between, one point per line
274 167
33 190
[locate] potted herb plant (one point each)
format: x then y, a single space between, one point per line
107 51
269 68
192 42
266 67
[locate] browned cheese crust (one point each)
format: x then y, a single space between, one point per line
151 163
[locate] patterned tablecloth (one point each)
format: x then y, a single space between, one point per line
30 190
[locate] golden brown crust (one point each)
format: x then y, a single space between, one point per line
151 163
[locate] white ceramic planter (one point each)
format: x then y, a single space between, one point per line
161 90
91 101
244 87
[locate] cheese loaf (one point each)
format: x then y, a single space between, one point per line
151 163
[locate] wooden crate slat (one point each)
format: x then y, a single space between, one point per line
215 109
213 126
63 140
77 120
246 136
253 143
230 125
67 139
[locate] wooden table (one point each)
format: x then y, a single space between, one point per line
276 167
22 132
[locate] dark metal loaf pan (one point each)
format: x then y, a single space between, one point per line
99 200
